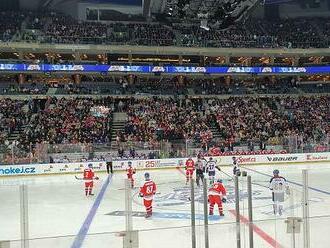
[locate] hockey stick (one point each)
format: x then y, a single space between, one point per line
79 178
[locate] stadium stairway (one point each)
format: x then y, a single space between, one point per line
17 132
118 124
51 91
215 131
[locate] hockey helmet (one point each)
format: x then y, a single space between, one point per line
276 172
90 165
146 175
219 180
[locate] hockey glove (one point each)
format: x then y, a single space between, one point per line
224 200
140 194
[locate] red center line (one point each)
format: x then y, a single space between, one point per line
258 231
262 234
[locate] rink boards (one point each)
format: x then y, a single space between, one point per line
61 216
64 168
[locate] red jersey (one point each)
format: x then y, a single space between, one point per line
217 189
148 190
88 174
190 164
130 171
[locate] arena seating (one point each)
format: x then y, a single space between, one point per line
12 117
67 121
152 119
9 24
64 29
239 121
166 86
290 33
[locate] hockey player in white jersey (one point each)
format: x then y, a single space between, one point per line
278 185
210 169
236 169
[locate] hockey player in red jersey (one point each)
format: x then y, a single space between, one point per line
130 172
147 191
89 176
190 167
217 195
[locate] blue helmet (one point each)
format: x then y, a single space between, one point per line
146 175
90 165
219 180
276 172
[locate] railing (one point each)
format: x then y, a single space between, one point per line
195 41
14 153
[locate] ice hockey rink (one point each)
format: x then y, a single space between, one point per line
61 216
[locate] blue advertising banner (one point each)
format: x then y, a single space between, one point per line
163 69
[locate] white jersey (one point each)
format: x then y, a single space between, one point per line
235 163
210 165
278 184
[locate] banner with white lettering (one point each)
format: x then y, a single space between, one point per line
57 168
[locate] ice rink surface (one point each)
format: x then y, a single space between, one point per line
61 216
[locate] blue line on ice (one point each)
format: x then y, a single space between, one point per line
299 184
85 226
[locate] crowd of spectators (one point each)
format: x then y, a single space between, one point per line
290 33
307 117
68 121
271 119
64 29
237 121
297 33
158 119
12 117
154 35
10 24
58 28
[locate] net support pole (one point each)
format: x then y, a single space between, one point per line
238 224
128 211
206 217
249 191
24 216
193 220
306 210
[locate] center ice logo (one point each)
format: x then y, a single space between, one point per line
181 196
